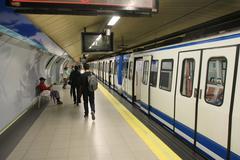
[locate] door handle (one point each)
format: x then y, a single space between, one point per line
195 92
200 93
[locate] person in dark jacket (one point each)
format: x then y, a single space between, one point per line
87 95
75 79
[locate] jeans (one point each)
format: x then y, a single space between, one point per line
87 95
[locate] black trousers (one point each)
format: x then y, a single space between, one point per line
87 95
76 91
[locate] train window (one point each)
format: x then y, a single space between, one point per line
130 71
110 68
187 77
145 72
102 67
153 74
215 83
166 74
106 67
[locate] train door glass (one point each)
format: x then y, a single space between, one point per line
215 96
124 73
110 73
188 73
145 80
154 72
106 73
138 78
130 73
166 71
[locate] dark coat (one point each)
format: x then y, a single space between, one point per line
75 78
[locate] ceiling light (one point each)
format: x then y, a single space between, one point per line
113 20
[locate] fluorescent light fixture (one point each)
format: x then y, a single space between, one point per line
113 20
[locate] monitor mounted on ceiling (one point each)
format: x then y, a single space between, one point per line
96 42
87 7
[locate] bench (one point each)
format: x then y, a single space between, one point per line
40 95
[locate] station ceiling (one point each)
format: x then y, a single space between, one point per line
174 15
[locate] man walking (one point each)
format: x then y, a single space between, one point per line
87 94
75 79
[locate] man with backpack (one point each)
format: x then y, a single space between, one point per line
89 85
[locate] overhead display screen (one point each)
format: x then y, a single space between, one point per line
121 3
96 42
97 6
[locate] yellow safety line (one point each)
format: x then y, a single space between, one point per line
158 147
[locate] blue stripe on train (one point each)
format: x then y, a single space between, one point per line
198 42
188 131
213 146
162 115
234 156
203 140
144 105
129 98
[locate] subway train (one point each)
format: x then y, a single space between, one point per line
192 88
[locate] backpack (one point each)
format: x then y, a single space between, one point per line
92 83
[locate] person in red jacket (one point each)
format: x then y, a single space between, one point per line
54 93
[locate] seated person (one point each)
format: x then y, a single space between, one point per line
53 93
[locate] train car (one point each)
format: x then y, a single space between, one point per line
190 88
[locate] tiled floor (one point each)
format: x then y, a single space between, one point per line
62 133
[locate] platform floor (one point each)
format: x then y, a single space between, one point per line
62 133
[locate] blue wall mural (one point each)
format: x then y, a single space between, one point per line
18 26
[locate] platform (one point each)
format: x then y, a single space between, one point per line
62 133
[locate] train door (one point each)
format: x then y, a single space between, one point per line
235 146
138 79
145 86
215 94
115 78
187 83
203 98
110 73
129 78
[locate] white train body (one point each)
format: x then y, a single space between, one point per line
193 88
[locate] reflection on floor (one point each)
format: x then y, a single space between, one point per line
62 133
